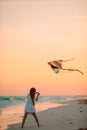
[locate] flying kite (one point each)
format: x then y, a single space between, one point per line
57 66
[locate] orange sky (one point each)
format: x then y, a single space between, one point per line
35 32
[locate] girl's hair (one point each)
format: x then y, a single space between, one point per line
32 94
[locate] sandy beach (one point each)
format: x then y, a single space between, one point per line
72 116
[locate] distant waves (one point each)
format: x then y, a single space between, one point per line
9 100
6 101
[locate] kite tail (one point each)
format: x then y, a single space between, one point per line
74 70
68 60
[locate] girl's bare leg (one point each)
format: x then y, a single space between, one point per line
24 118
36 119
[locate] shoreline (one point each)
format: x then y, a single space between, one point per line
13 114
67 117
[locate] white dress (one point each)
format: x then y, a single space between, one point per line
29 105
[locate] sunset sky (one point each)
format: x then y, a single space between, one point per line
34 32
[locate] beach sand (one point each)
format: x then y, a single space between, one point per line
72 116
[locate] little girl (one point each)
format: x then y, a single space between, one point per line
29 108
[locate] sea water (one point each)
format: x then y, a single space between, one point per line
6 101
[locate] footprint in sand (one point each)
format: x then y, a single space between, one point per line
71 123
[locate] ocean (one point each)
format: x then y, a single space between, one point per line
6 101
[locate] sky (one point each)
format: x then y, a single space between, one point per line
34 32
